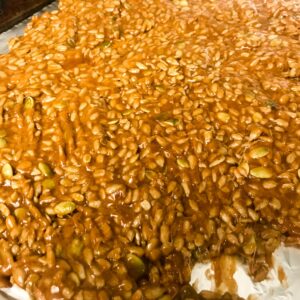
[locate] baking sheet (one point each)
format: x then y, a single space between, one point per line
271 289
18 29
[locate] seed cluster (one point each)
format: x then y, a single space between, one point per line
138 137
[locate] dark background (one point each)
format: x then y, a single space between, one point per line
14 11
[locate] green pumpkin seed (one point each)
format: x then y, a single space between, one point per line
48 184
259 152
261 172
45 169
160 88
154 292
64 208
272 104
182 163
29 103
106 44
71 42
3 143
7 171
135 265
171 122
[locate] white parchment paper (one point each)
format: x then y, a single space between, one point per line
271 289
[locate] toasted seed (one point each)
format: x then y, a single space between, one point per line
224 117
269 184
192 159
141 66
275 203
154 292
77 197
87 158
20 213
261 205
10 222
106 44
291 158
255 133
3 143
232 239
161 141
250 247
217 161
170 122
151 175
240 208
4 210
3 133
259 152
88 255
257 117
244 169
146 205
249 96
48 184
160 161
19 276
76 247
45 169
64 208
261 172
254 216
171 186
135 266
225 217
29 103
114 188
193 204
7 171
154 193
186 188
182 163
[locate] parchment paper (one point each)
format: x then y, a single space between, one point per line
272 289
